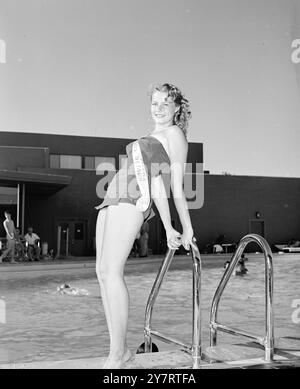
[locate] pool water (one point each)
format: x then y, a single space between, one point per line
42 324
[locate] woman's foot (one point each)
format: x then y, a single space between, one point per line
114 362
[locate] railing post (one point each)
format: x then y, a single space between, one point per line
217 296
269 321
268 341
195 348
152 298
196 341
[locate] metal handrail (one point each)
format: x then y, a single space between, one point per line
195 348
268 340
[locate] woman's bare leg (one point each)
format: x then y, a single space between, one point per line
6 252
13 252
122 223
100 227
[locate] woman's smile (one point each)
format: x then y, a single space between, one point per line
162 108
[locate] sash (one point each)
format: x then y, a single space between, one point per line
143 202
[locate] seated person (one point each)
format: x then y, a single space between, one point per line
294 243
32 241
218 249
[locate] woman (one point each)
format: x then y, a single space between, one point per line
122 214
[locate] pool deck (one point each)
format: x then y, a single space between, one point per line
241 356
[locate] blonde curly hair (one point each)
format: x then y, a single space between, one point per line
183 115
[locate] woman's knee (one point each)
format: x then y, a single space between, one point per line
106 273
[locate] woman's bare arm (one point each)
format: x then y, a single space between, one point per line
7 231
161 200
178 148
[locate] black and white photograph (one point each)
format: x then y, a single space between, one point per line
149 188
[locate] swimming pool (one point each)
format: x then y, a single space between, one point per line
44 325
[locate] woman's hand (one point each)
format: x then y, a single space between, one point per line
173 238
187 239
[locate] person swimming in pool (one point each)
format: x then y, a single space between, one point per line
241 268
226 264
122 212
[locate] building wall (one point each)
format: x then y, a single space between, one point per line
231 201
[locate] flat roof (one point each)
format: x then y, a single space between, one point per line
34 177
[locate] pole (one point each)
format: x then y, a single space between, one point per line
23 208
18 205
196 340
58 242
67 243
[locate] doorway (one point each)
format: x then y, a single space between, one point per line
256 227
72 237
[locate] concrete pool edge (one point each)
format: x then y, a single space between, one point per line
83 262
89 262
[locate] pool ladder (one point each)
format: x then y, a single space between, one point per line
195 348
268 340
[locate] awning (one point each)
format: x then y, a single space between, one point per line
34 179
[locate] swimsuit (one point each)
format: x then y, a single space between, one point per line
124 187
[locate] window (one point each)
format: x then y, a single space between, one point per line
105 163
70 161
82 162
65 161
54 161
88 163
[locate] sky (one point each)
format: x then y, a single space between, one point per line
83 67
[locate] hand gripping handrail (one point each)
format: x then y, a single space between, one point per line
268 340
195 348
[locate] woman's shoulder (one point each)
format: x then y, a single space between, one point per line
175 134
174 130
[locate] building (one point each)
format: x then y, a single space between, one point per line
49 181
